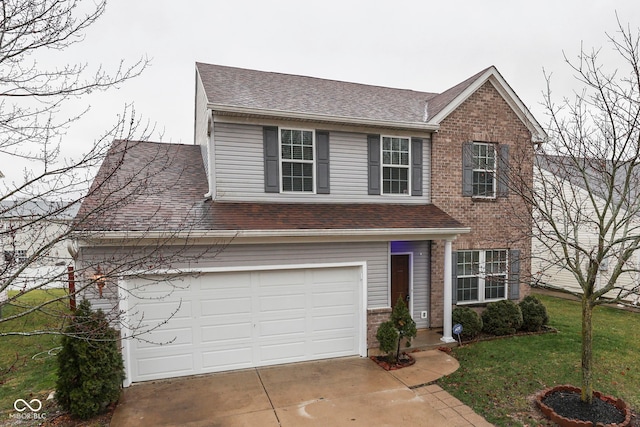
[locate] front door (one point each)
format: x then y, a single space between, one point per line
400 279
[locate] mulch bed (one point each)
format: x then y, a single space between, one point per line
569 405
562 405
389 364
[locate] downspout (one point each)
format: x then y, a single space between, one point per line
210 156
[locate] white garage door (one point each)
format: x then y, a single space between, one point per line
236 320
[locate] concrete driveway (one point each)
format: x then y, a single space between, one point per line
338 392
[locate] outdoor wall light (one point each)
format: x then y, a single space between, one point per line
99 280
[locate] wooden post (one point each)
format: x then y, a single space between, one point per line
72 288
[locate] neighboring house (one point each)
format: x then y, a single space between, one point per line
576 215
323 203
30 239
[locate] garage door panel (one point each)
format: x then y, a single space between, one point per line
332 346
173 337
161 310
220 281
160 367
332 299
282 302
235 320
334 323
225 306
284 327
227 332
282 353
227 359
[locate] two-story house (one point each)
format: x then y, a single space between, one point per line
33 240
304 210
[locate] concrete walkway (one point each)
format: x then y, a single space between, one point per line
339 392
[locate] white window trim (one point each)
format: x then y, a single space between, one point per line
482 257
313 162
494 170
383 165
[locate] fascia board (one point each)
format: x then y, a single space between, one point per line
269 236
279 114
492 75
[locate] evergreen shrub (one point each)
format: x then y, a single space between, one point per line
90 368
502 318
470 320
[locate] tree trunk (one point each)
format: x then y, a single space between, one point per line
587 351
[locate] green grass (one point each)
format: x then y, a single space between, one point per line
21 375
497 378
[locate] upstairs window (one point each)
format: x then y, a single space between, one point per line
297 160
484 170
395 165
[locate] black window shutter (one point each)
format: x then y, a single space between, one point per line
467 169
454 277
416 167
322 162
271 160
503 170
514 274
373 142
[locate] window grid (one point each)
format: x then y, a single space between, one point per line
481 273
484 169
297 161
395 165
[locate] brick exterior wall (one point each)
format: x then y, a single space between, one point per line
375 317
497 223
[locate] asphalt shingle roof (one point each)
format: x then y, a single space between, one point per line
147 186
260 90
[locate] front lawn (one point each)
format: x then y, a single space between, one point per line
498 378
27 364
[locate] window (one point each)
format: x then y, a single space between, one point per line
395 165
481 275
484 170
297 161
19 256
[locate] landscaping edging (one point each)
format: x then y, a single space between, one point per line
566 422
393 366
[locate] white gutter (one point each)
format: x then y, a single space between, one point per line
242 236
280 114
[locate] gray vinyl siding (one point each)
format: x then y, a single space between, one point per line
421 277
375 254
239 166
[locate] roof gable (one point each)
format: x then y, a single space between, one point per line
444 104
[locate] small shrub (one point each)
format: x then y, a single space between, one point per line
502 318
534 314
387 336
470 320
90 368
402 325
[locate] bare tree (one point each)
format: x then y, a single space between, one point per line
584 204
36 210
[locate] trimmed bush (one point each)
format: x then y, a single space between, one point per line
399 326
90 368
534 314
387 336
470 320
502 318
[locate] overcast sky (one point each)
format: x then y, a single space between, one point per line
421 45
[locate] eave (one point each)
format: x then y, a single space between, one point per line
134 238
232 110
